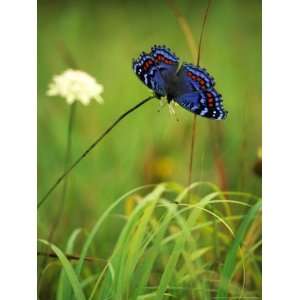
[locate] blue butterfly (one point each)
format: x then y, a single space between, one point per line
190 86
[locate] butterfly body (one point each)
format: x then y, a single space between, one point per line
172 85
190 86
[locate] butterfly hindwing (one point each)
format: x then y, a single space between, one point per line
146 69
195 78
204 103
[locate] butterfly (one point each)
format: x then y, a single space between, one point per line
190 86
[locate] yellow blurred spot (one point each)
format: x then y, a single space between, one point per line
130 204
259 153
163 167
173 229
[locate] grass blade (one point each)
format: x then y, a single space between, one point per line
121 256
97 226
154 252
78 292
230 260
170 268
135 243
64 288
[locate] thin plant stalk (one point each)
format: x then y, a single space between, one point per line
191 43
66 163
183 24
72 257
59 214
186 29
90 148
192 150
194 127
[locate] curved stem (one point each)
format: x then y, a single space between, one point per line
90 148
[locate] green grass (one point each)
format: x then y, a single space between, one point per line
63 288
166 249
69 271
230 261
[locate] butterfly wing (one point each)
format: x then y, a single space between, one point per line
167 62
197 94
192 78
147 70
204 103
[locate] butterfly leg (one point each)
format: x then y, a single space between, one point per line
162 103
172 110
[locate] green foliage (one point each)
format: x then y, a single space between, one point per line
166 248
64 288
230 260
73 279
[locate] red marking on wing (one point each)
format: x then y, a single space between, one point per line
210 100
194 77
147 64
162 58
201 82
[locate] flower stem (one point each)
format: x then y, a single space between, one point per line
90 148
59 214
66 163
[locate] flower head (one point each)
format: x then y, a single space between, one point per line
76 85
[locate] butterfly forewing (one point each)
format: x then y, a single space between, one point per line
146 69
166 61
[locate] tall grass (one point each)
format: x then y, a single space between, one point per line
166 248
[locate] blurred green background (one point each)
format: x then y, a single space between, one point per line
149 146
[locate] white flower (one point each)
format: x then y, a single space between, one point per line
76 85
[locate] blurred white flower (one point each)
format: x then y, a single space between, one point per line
76 85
